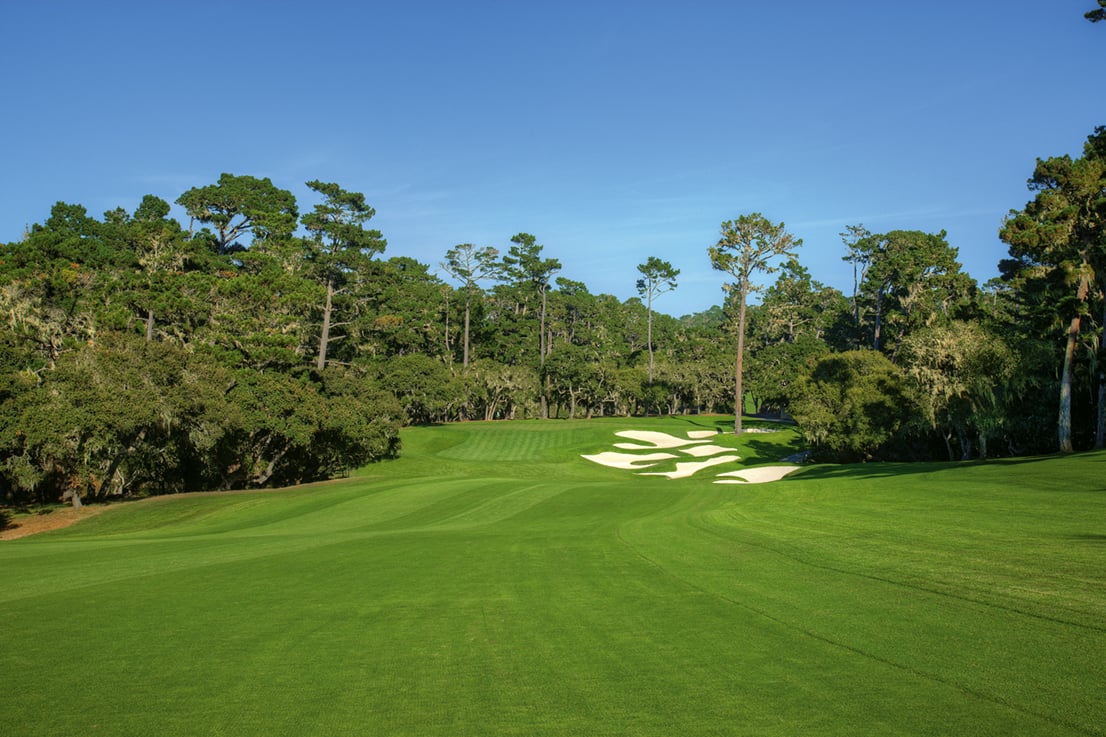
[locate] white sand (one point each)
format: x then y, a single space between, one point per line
655 439
758 475
690 468
628 460
701 451
696 446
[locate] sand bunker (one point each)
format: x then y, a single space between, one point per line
655 440
702 451
628 460
695 446
758 475
690 468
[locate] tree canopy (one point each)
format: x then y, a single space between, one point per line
748 246
254 347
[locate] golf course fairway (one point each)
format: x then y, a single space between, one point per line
493 581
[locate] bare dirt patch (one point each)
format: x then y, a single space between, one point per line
58 517
23 525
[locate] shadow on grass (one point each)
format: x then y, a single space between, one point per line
718 423
873 470
1089 538
724 424
766 451
887 469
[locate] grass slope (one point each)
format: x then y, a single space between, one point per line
491 582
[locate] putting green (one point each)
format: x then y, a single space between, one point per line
529 591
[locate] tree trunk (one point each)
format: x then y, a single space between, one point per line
1100 422
445 333
109 475
965 446
541 332
878 320
738 396
541 358
856 301
465 361
149 325
1100 419
649 335
1063 423
324 336
262 478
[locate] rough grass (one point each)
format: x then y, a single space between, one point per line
492 582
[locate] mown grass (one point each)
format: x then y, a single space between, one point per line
492 582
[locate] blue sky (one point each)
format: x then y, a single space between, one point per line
613 131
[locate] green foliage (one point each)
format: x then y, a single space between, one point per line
524 264
1058 245
471 265
577 382
138 357
912 280
136 363
748 246
242 205
964 377
713 317
502 391
286 429
796 305
774 369
108 420
258 315
527 270
338 255
853 406
657 277
400 311
423 386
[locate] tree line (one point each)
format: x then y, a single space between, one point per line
254 345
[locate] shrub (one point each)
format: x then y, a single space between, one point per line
854 406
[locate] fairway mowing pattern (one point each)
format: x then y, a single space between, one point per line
530 592
509 444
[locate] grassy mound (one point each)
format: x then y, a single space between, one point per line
491 581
